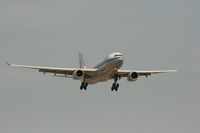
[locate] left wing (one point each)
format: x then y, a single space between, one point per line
56 70
125 73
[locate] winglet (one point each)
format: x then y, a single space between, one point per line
7 63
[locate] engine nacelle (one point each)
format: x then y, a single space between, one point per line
78 74
132 76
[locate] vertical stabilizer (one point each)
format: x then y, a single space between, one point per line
81 61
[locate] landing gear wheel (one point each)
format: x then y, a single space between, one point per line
84 85
112 88
115 87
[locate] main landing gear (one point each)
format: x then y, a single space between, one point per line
84 85
115 85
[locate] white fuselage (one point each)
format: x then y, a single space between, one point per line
107 68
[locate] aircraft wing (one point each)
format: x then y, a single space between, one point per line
124 73
57 70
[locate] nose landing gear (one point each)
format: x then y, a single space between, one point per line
115 85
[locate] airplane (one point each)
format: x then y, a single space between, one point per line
106 70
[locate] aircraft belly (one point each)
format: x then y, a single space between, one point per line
101 76
105 72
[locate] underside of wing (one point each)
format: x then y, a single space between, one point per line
57 70
125 73
144 73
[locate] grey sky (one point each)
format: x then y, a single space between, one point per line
156 34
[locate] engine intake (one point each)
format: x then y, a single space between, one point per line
133 76
78 74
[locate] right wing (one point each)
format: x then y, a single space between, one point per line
57 70
125 73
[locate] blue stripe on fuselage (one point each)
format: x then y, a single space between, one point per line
108 60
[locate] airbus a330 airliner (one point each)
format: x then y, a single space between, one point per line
108 69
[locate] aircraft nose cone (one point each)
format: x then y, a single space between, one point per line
120 62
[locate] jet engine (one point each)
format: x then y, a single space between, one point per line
78 74
132 76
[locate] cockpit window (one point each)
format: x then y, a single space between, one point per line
118 55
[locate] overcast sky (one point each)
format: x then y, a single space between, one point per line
151 34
